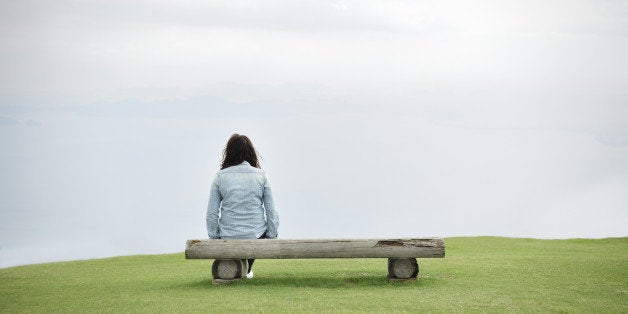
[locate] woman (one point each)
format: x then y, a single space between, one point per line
241 202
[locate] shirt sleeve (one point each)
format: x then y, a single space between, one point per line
272 219
213 209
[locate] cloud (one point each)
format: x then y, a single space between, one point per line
273 15
598 114
76 45
579 17
8 121
204 106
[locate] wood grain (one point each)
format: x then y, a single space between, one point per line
323 248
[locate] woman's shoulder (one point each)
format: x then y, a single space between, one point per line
241 168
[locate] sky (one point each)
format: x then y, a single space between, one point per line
373 119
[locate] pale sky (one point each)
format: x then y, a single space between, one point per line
81 46
374 119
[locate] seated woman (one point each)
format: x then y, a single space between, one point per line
240 201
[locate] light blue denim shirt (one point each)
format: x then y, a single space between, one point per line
241 204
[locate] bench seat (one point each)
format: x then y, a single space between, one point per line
323 248
230 255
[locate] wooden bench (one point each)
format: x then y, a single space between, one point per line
230 256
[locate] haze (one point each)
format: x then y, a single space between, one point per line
373 119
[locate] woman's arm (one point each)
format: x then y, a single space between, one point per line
213 208
272 219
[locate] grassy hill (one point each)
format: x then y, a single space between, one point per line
478 274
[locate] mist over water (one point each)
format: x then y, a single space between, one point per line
93 183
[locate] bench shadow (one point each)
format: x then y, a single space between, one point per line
323 282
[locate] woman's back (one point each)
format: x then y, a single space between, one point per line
243 196
242 190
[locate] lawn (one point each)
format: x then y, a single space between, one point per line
480 274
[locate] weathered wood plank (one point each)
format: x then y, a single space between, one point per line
324 248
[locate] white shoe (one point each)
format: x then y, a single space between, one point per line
249 275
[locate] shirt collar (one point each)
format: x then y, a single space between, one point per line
245 163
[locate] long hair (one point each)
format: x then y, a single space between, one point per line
239 148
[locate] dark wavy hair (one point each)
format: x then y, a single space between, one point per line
239 148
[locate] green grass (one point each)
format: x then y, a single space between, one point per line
484 274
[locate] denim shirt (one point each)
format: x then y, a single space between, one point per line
241 204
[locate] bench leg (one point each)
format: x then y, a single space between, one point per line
402 269
225 270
